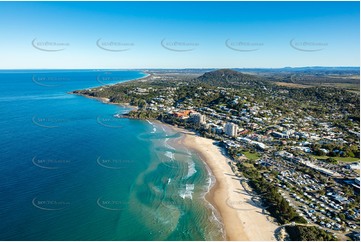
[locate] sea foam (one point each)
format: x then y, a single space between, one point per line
191 169
154 128
187 191
169 154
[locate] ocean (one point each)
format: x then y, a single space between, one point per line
70 170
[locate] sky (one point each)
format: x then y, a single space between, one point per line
133 35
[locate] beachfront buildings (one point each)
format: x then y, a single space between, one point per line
198 118
231 129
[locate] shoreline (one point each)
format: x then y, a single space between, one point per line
106 100
180 142
241 220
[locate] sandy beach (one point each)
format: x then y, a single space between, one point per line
242 220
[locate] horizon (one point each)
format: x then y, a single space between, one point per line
179 35
182 68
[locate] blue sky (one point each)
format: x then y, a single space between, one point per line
178 34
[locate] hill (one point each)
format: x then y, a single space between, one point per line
231 78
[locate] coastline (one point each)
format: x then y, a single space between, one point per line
106 100
241 219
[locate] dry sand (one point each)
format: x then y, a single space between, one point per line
242 220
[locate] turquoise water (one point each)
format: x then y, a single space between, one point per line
71 171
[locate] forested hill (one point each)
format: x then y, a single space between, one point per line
227 77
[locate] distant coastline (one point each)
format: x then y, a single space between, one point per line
107 101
